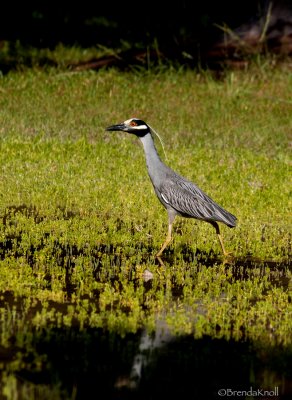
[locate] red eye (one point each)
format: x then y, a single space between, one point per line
132 123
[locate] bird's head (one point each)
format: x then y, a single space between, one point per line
134 125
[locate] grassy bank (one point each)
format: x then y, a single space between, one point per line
231 137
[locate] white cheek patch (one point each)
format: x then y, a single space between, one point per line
139 127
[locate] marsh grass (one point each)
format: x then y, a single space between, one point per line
80 223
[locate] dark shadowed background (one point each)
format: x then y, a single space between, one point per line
184 31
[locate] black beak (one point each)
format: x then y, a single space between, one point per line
119 127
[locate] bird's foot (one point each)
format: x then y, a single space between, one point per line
159 254
160 261
228 256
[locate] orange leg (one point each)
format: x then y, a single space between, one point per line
216 226
167 240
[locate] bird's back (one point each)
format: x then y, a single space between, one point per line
189 200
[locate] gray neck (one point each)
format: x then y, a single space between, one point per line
154 164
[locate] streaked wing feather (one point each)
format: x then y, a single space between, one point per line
188 199
185 202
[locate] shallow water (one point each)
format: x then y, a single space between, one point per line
76 364
69 363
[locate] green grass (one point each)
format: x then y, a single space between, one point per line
81 222
230 137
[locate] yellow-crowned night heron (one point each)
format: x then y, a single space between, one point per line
178 195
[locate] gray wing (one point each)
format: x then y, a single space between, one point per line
189 200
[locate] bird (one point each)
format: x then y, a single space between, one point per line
179 196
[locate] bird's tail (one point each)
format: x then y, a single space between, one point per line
221 215
230 219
